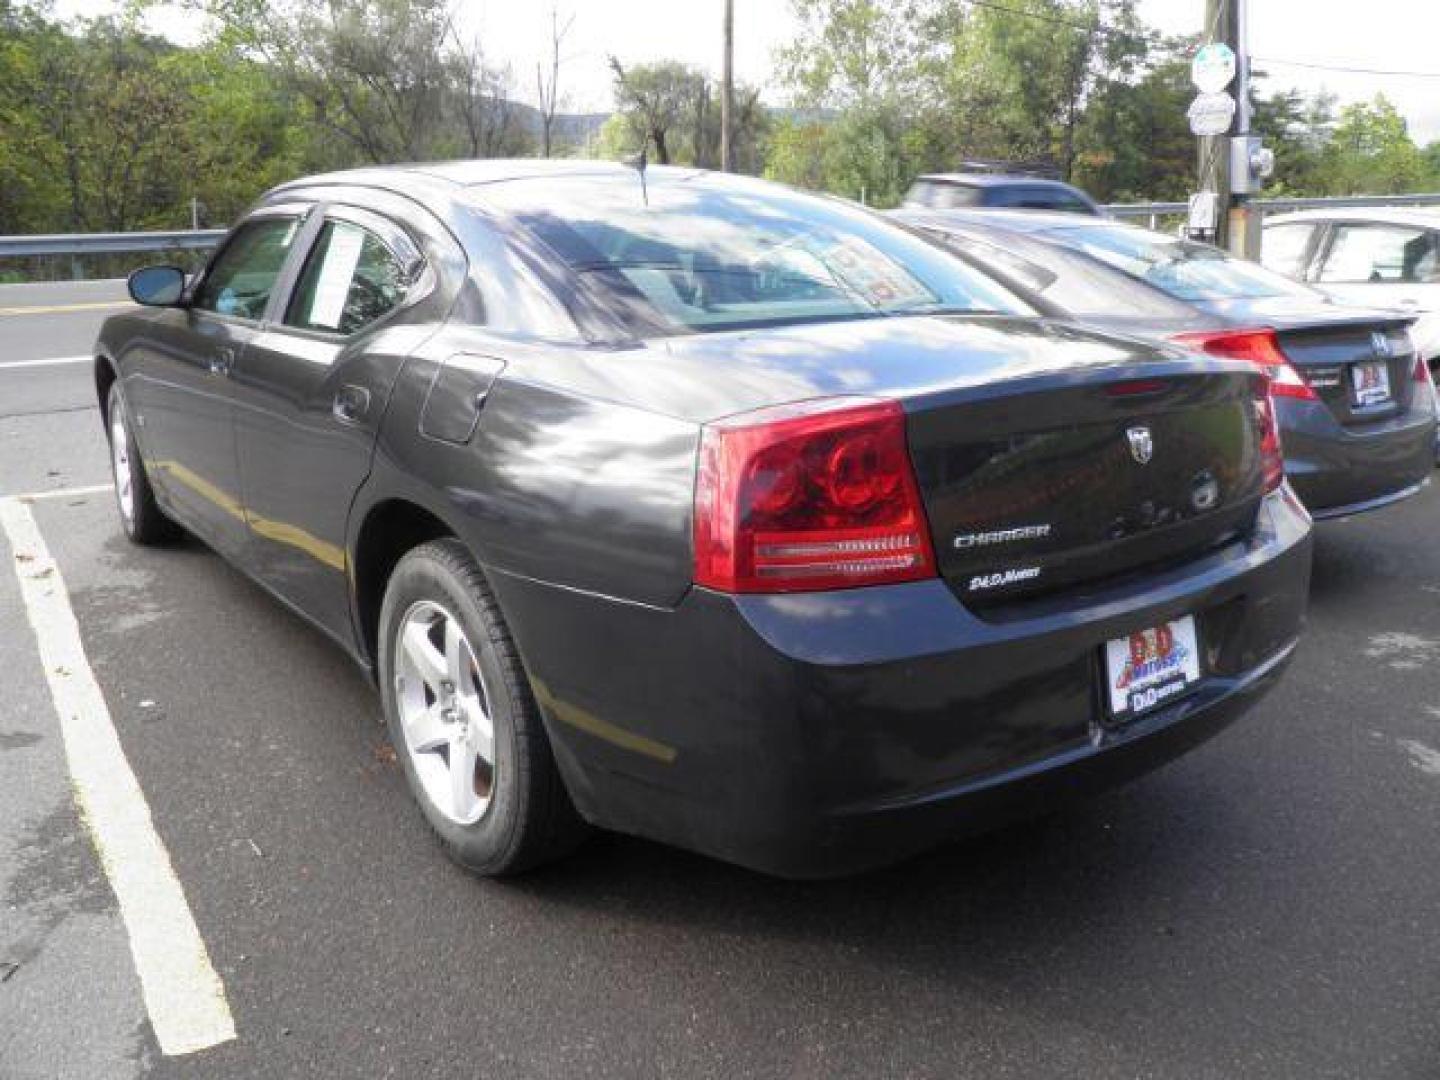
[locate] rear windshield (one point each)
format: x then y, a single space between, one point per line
692 255
1074 283
1185 270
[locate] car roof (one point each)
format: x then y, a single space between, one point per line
994 180
457 176
1424 216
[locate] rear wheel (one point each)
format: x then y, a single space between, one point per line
463 721
140 515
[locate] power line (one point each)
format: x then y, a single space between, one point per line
1149 38
1343 68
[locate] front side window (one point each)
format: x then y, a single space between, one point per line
1283 248
243 276
350 280
690 254
1381 254
1181 268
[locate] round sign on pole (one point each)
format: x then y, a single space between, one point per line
1213 67
1211 114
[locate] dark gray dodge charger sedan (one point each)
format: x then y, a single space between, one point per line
1353 398
697 508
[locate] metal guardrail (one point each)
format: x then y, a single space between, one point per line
1153 211
106 243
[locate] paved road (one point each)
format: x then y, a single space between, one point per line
1268 906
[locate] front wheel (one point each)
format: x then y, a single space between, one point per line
140 515
463 721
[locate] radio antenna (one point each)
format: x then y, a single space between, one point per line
638 164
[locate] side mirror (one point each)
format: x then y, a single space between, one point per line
157 286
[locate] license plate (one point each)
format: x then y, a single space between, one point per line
1152 667
1370 382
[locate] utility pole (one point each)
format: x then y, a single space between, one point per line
1222 26
1247 171
727 89
1232 164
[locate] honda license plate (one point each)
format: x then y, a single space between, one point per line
1151 667
1370 383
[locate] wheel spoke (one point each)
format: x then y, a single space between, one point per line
482 731
428 730
422 653
463 799
455 661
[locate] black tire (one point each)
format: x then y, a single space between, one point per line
529 819
143 520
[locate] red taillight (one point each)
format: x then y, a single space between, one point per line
817 495
1272 459
1257 346
1422 370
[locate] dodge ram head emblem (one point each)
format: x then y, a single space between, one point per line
1379 343
1142 446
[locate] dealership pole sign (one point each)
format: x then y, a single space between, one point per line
1213 67
1211 114
1212 70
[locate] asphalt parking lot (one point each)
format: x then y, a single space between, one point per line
1267 906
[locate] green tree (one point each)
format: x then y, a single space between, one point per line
1371 152
658 101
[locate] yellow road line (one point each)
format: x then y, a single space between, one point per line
54 309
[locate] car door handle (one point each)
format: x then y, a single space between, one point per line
350 404
222 360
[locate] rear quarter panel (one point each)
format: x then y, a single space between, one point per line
557 484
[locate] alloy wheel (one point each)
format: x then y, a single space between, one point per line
444 713
120 463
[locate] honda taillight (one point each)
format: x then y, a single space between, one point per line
1257 346
817 495
1272 460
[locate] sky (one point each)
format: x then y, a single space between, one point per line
1394 35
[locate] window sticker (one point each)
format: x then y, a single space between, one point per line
874 276
341 257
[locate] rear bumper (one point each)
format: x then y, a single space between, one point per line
1337 470
820 734
1377 503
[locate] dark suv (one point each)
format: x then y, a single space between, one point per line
952 191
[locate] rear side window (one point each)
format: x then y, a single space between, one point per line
1397 254
921 193
956 196
350 280
1284 247
243 276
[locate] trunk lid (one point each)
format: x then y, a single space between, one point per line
1059 483
1328 343
1363 373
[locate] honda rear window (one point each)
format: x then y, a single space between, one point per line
1181 268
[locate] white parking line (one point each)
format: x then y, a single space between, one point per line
183 994
65 493
6 365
